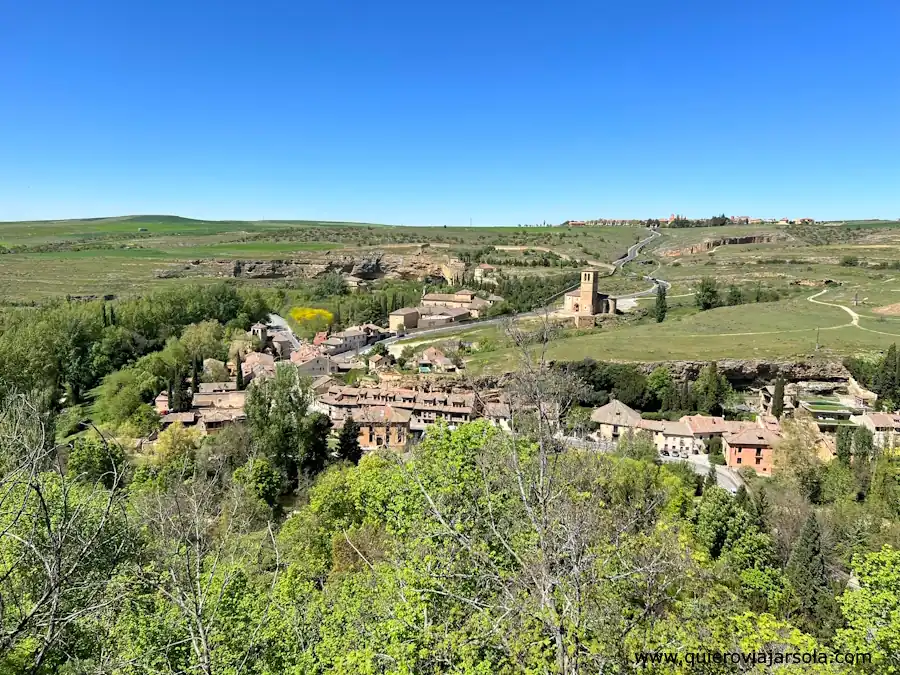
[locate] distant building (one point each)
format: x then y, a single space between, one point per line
310 361
257 365
586 302
463 299
885 428
401 320
485 273
433 360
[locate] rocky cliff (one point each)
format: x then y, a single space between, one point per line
709 244
368 265
748 373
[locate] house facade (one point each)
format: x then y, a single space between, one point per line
753 447
614 420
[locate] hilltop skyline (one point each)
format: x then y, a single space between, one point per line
436 114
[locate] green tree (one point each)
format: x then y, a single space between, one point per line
863 443
239 380
203 341
844 444
276 410
872 611
317 427
661 387
808 577
714 448
348 441
261 478
662 306
92 459
735 296
712 390
778 398
707 295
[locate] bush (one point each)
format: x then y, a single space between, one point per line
850 261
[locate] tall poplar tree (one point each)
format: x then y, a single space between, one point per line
662 306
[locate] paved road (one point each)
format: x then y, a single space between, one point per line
632 253
725 477
279 323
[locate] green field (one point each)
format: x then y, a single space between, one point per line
129 254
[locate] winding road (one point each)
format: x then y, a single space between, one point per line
632 253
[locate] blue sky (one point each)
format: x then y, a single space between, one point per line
438 112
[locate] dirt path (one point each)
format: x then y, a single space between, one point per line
854 316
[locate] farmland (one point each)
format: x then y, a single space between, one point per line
131 254
856 264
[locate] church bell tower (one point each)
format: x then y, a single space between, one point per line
588 304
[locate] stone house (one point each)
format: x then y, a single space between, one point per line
614 419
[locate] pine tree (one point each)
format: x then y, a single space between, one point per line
112 316
105 317
806 572
348 442
778 398
661 306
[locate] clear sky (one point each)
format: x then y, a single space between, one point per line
437 112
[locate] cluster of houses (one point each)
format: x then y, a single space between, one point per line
743 443
441 309
746 443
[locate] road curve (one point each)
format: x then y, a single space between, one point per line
632 253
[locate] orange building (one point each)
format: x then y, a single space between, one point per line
753 447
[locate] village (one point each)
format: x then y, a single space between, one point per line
394 407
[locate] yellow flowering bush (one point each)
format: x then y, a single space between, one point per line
306 314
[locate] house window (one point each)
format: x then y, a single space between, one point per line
759 460
738 460
759 452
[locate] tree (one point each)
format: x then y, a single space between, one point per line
661 305
276 410
778 398
735 296
63 538
714 448
92 459
711 479
261 478
317 427
240 373
177 444
863 443
202 341
195 377
712 390
707 295
872 611
807 575
844 444
348 441
180 398
661 387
